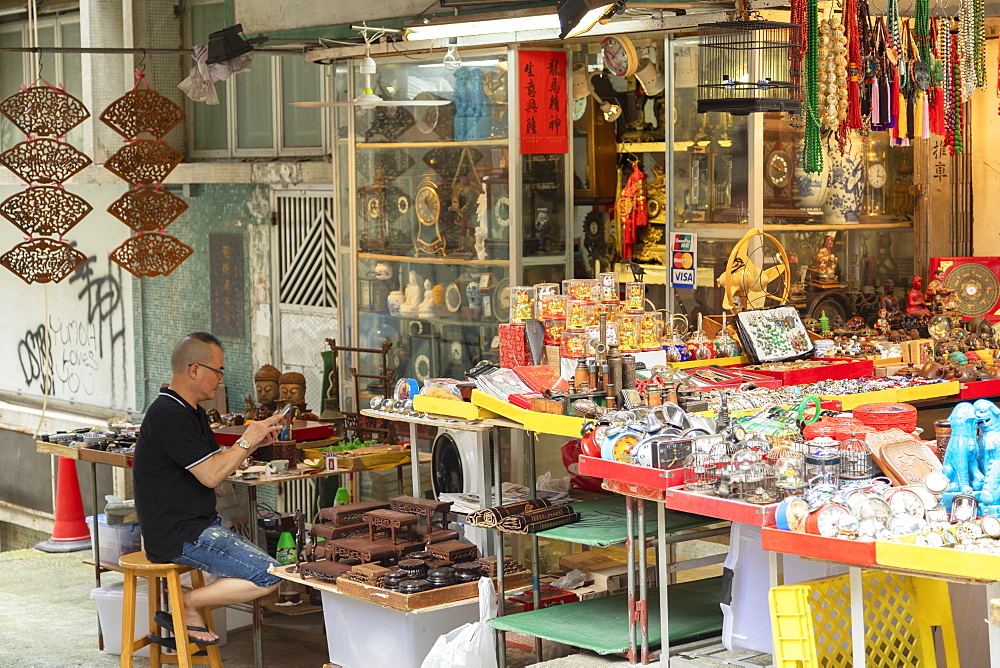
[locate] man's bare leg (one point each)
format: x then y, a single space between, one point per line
224 591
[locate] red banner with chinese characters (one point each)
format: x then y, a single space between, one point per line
542 96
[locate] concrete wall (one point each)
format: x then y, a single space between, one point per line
986 161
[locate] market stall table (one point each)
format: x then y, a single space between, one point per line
123 460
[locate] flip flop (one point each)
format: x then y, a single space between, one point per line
171 644
167 622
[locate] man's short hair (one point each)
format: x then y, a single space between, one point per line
195 348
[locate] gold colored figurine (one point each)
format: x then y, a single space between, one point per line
823 271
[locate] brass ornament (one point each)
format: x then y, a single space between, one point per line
44 161
48 210
141 111
143 162
151 254
42 260
147 209
44 110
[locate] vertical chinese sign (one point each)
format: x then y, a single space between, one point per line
542 96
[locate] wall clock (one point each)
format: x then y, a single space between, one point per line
779 169
620 55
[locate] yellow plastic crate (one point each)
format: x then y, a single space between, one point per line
547 423
504 408
719 361
457 409
931 391
849 401
811 622
906 554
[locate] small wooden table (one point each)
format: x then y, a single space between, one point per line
389 521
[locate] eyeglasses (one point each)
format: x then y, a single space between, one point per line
212 368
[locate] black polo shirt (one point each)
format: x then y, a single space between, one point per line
173 506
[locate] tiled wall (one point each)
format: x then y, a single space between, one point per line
169 307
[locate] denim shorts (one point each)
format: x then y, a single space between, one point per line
226 554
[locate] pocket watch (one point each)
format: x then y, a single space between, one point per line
990 526
824 521
847 526
906 501
868 528
964 508
872 507
903 525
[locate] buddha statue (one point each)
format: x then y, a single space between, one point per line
292 387
266 384
823 271
889 303
915 302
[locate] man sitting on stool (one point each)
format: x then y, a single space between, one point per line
176 468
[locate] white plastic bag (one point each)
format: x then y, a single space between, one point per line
471 645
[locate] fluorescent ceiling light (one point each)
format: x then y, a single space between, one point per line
488 27
466 63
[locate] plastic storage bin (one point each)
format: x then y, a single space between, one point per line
111 598
116 539
811 622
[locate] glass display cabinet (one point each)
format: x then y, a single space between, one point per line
444 214
859 209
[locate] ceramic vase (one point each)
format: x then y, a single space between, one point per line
394 301
844 184
811 188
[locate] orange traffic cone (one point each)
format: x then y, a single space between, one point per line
70 532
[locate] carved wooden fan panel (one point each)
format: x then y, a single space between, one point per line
42 260
147 209
44 161
142 111
144 162
43 110
151 254
45 210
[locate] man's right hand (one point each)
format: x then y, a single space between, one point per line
263 432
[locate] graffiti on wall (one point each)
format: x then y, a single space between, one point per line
78 353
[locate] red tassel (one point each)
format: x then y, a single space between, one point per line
853 103
937 111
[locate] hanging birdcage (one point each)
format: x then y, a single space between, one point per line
701 473
856 461
744 67
759 485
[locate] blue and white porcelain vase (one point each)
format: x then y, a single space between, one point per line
811 188
844 185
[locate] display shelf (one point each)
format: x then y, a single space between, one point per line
644 476
642 147
602 523
457 409
433 144
854 552
435 320
67 451
724 509
304 607
820 227
433 260
601 624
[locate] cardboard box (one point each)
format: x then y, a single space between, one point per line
549 596
587 561
590 591
616 577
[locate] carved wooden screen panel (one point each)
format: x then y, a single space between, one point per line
147 208
44 113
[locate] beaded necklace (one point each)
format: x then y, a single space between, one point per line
957 142
944 54
796 55
922 29
853 38
812 151
979 36
892 24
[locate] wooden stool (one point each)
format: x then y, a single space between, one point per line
136 565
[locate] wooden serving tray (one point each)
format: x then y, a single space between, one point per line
426 599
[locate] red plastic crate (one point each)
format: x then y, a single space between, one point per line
980 389
724 509
818 547
843 368
549 596
632 480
